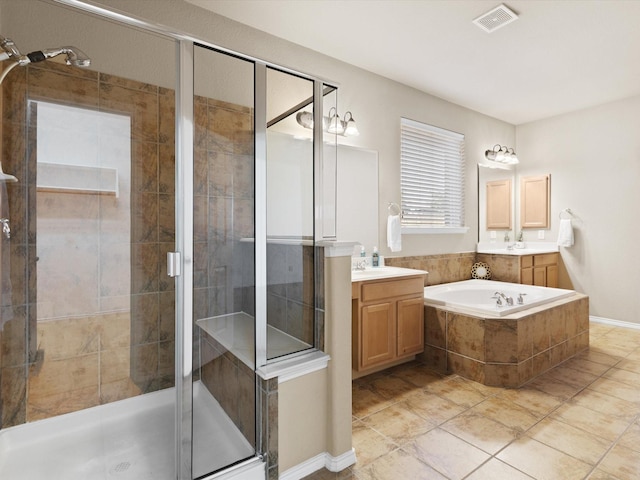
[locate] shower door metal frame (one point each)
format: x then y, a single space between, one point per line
184 248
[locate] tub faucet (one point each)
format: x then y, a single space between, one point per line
500 296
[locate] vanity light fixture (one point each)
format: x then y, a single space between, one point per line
332 123
501 154
335 124
350 129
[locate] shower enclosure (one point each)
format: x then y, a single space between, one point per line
162 250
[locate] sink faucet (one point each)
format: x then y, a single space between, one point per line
361 265
500 296
506 240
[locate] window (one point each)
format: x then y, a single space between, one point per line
431 178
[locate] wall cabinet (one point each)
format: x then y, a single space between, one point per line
387 321
499 204
541 270
535 202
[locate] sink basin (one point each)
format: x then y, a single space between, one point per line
373 273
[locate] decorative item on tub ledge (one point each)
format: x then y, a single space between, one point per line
481 270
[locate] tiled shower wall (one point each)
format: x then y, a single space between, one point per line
223 208
108 356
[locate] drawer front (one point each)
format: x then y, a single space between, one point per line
545 259
392 288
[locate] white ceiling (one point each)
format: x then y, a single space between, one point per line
559 56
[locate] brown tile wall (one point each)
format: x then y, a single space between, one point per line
223 208
442 268
290 290
506 352
150 343
231 382
504 268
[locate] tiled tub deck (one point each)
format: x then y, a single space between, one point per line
507 351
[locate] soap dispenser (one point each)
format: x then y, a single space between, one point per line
375 258
362 251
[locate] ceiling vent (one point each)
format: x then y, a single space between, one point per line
495 19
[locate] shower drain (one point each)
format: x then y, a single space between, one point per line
120 468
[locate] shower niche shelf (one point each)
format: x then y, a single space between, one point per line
57 177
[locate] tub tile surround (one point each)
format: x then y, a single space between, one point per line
442 268
506 352
577 421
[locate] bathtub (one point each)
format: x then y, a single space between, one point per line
502 346
475 297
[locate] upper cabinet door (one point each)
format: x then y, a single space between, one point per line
535 201
499 204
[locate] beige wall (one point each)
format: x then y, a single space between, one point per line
302 419
593 157
376 102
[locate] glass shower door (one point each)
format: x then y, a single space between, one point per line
224 385
88 348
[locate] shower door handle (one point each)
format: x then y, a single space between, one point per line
174 264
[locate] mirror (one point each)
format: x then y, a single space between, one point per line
357 212
496 202
528 206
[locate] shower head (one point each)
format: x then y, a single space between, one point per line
74 56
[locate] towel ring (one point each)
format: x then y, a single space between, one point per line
567 211
394 206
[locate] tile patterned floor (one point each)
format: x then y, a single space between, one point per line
580 420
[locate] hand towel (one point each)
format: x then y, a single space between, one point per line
394 238
565 233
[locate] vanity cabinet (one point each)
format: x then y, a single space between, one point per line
387 321
541 270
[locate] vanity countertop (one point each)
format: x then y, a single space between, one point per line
375 273
530 248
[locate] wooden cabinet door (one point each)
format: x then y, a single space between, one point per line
540 276
410 326
552 276
535 201
378 334
526 276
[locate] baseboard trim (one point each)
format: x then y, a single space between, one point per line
616 323
331 463
336 464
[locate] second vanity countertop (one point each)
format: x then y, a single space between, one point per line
530 248
375 273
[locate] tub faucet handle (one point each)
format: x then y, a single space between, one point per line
521 298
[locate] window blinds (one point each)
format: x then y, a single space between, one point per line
431 176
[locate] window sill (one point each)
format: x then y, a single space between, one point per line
433 230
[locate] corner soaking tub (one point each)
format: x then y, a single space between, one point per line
507 346
477 297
